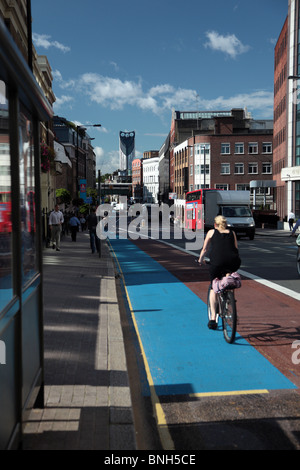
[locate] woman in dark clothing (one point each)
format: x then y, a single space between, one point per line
224 257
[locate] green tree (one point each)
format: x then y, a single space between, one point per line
63 195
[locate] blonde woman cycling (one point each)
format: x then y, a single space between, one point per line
221 244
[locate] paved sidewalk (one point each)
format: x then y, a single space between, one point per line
87 397
269 232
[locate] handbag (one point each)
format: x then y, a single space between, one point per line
233 281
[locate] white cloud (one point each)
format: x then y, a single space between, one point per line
62 101
116 94
106 161
43 41
111 92
253 100
229 44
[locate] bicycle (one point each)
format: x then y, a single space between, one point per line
226 310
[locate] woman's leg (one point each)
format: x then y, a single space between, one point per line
213 304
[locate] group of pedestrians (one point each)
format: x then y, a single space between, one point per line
56 221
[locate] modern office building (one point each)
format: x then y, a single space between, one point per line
127 150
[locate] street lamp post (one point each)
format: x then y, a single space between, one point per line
82 127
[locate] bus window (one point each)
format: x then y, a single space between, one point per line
27 196
6 291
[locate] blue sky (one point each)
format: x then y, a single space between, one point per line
126 65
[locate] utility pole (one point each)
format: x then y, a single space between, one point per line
99 199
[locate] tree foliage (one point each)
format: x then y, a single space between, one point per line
64 195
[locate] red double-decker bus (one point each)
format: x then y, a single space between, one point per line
194 210
5 212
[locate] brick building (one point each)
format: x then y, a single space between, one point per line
280 117
227 151
290 154
137 179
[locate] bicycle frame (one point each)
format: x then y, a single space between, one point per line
226 310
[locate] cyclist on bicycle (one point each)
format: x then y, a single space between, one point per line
221 243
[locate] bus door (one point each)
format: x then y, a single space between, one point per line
191 212
200 217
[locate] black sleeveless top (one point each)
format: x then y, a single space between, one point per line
223 250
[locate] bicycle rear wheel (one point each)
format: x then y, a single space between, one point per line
229 316
208 307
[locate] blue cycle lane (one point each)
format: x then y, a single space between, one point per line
183 355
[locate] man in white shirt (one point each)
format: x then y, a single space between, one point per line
56 220
291 219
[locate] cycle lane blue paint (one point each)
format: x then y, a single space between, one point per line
183 355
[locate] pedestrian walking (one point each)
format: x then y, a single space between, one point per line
83 223
74 227
291 220
56 220
92 222
297 224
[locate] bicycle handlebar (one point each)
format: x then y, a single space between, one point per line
206 260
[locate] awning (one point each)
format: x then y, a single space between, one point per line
262 184
60 154
291 173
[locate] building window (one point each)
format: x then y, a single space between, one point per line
225 168
225 187
225 149
267 147
191 170
252 147
261 191
239 168
206 169
253 168
242 187
267 168
239 148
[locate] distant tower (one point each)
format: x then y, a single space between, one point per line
127 150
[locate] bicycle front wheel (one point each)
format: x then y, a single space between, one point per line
229 316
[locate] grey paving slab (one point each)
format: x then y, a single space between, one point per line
87 396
